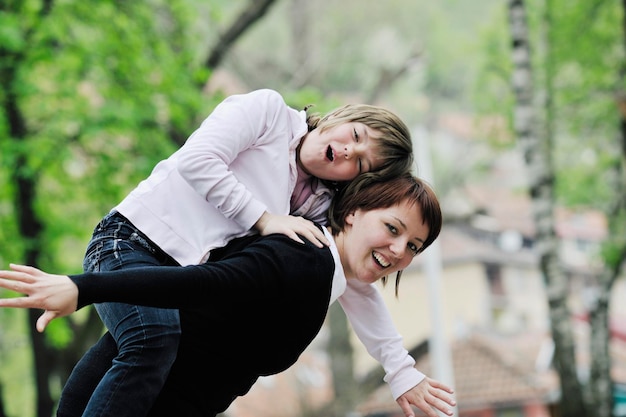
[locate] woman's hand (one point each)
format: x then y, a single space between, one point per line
429 395
291 226
56 294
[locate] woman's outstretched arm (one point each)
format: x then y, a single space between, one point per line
262 266
56 294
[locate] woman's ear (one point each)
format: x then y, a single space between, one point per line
350 218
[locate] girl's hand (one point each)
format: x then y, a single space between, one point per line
291 226
56 294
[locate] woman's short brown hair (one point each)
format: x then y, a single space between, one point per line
371 192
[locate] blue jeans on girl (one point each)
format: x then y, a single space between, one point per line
147 338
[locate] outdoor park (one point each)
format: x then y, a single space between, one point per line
517 112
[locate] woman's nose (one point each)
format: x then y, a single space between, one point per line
397 247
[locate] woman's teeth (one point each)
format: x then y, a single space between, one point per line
380 260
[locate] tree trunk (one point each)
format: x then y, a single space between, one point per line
541 178
2 413
600 383
388 76
301 45
342 363
255 10
48 362
30 229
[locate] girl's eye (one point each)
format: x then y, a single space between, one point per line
392 229
356 134
413 248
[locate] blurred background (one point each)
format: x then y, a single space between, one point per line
518 113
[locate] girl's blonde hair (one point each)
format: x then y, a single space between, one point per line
393 137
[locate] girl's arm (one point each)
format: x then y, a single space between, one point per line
235 126
244 123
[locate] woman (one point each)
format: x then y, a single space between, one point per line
255 306
254 165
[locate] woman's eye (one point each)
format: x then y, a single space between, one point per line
392 229
413 248
356 135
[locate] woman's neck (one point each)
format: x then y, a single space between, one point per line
339 243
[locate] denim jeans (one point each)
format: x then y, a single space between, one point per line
147 338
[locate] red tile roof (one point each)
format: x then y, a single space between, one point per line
494 371
489 373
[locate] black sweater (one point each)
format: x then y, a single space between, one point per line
250 311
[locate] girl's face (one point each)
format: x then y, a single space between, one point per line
380 242
340 153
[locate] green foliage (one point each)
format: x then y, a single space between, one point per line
613 249
16 374
350 47
589 52
612 254
586 52
109 88
58 333
491 91
105 90
11 246
311 96
585 176
10 34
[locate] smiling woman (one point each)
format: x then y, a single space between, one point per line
254 300
254 166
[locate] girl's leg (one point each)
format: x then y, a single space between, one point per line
147 342
85 377
146 338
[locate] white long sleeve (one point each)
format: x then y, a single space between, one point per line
372 323
239 163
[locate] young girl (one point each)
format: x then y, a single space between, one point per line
251 163
253 311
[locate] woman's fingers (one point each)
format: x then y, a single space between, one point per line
21 279
22 268
18 274
45 319
16 280
18 302
56 294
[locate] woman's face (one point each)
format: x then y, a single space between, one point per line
379 242
339 153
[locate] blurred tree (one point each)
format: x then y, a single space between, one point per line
93 94
537 156
576 67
